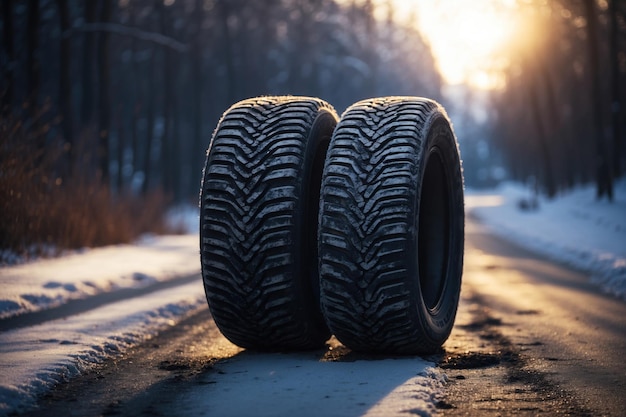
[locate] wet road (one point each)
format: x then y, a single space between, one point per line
531 338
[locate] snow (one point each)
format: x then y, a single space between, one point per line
575 228
49 283
303 385
33 359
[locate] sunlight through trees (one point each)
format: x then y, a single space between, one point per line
133 89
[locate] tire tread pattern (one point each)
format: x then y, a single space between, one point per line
252 186
368 192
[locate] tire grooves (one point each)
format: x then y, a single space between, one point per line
251 190
368 178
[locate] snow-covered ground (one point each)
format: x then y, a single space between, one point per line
271 385
573 228
50 283
34 358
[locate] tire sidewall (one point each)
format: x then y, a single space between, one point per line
305 235
437 322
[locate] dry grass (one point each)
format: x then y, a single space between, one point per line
40 210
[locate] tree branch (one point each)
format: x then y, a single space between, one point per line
118 29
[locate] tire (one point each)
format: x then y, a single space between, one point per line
391 230
258 222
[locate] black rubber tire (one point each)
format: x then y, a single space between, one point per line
391 230
258 222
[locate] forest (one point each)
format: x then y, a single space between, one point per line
108 106
560 120
116 101
144 82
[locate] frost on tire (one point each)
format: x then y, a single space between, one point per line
392 227
258 247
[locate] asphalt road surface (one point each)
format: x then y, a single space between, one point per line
531 338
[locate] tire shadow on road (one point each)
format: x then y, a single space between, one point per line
332 382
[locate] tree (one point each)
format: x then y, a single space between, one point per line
604 177
169 151
149 78
8 45
65 82
556 70
33 65
104 95
616 104
88 79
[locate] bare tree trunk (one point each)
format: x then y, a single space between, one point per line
536 74
87 104
9 47
604 178
104 114
371 55
548 180
616 101
555 133
166 156
301 55
122 138
198 85
136 96
150 119
227 45
151 97
33 65
177 167
65 85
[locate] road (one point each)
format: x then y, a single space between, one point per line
531 337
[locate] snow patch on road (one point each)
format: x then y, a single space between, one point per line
34 359
49 283
574 228
303 385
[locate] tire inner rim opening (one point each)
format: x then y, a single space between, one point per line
433 230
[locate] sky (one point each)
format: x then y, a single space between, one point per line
467 37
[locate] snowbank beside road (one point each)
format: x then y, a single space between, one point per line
49 283
33 359
573 228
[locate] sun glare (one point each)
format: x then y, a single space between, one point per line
467 37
